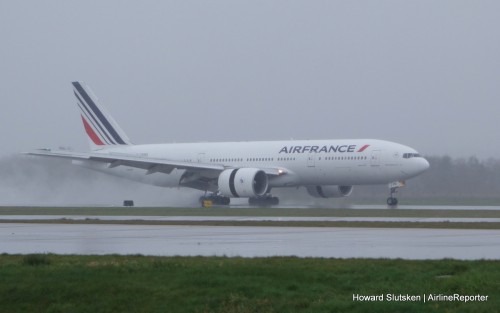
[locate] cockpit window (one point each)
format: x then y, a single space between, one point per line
411 155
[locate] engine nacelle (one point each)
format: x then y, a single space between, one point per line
329 191
243 182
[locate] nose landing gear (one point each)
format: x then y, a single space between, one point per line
392 201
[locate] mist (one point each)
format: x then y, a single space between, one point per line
421 73
32 181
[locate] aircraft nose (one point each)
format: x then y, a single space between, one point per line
427 165
423 165
415 167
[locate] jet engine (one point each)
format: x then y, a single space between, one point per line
329 191
243 182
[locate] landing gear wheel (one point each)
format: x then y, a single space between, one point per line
208 201
392 201
275 200
264 201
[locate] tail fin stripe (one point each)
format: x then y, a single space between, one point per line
92 120
98 113
107 136
93 126
91 133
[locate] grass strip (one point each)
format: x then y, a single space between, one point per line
51 283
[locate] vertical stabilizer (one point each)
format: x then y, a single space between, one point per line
102 130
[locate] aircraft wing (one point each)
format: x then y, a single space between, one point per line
152 165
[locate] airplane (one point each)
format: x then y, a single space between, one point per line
225 170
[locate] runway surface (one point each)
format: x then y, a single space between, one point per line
250 241
384 207
247 218
305 207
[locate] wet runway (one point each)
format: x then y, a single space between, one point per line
248 218
384 207
250 241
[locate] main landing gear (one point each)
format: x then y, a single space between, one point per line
266 200
208 200
214 199
392 201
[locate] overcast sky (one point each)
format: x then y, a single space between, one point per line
421 73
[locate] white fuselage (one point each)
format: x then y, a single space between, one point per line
304 162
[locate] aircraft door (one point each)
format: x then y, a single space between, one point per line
311 160
201 158
375 158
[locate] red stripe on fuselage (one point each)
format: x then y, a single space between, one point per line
363 148
91 133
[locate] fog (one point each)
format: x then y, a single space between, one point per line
36 181
421 73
